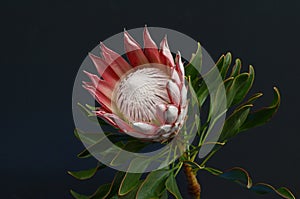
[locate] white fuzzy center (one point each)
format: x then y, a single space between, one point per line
138 93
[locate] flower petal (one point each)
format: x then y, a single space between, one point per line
164 129
94 78
150 48
171 114
100 84
182 115
103 100
175 77
104 70
179 66
121 124
166 55
173 92
116 61
101 113
134 52
160 113
147 129
183 96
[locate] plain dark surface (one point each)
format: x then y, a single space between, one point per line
44 42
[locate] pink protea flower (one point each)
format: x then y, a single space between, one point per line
145 98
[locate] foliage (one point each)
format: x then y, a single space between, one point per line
242 116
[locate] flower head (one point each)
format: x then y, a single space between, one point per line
146 97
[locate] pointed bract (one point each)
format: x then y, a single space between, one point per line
113 58
104 69
150 48
165 53
134 52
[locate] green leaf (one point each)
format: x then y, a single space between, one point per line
252 99
87 111
164 195
262 188
86 174
132 146
242 177
78 196
236 86
109 190
193 68
263 115
213 171
211 76
202 93
95 140
226 64
218 106
172 187
102 191
154 184
132 193
131 180
238 175
233 123
87 138
236 69
245 87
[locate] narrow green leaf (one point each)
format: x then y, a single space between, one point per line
226 64
242 177
132 193
131 180
102 191
234 122
86 174
109 190
153 185
164 195
263 115
95 140
78 196
87 111
217 105
238 175
211 76
220 62
87 138
236 69
172 187
244 88
262 188
202 93
213 171
133 146
236 86
193 68
252 99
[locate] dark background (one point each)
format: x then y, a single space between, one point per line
44 42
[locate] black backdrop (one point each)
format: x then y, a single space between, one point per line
43 44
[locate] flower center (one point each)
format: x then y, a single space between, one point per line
139 92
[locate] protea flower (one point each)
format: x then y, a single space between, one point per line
146 97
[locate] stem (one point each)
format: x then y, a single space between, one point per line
193 184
